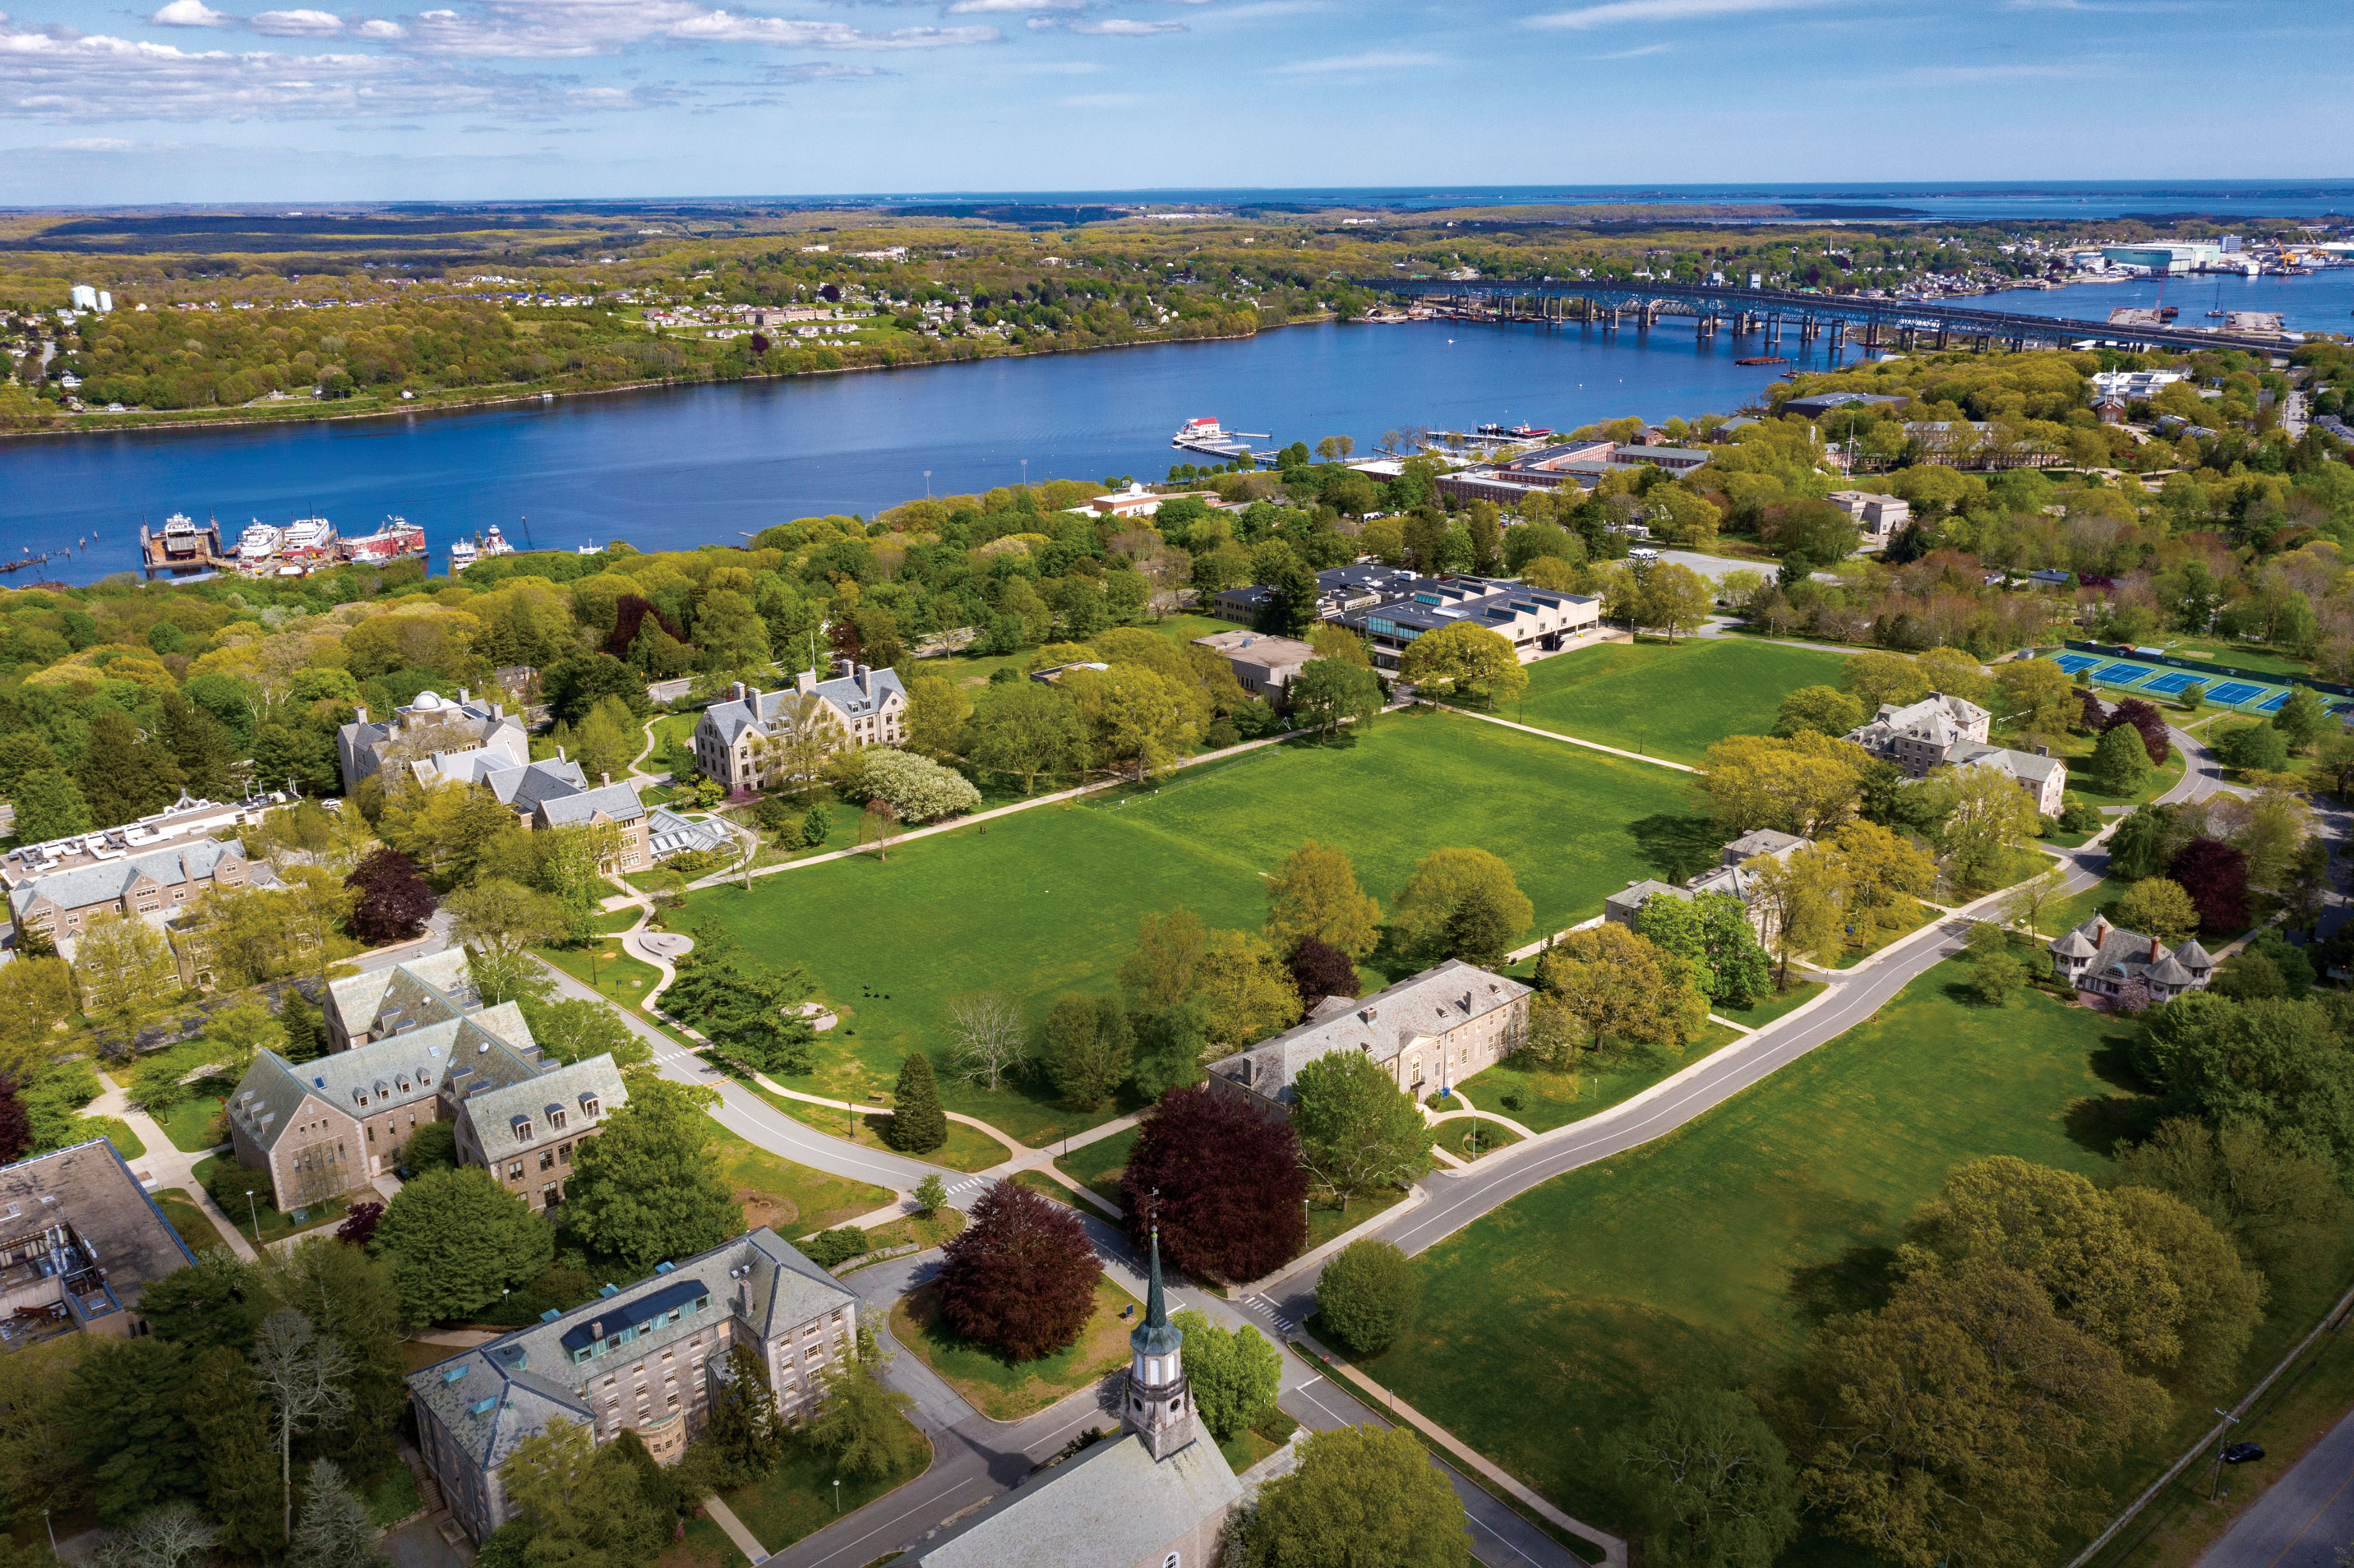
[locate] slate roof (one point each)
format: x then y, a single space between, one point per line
2018 764
1111 1504
425 989
856 695
405 1069
107 881
2120 955
1935 720
617 802
497 1112
510 1388
1380 1025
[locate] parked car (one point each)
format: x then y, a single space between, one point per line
2241 1453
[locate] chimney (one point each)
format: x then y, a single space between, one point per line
360 715
559 754
2100 929
2153 950
498 710
737 691
806 680
605 778
596 1328
464 696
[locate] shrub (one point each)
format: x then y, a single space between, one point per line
827 1249
1367 1296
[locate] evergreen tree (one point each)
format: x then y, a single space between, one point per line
232 1427
50 805
306 1032
814 825
16 1124
2120 761
336 1531
917 1125
744 1424
1089 1048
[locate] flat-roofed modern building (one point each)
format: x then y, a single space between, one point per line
80 1241
1535 621
647 1359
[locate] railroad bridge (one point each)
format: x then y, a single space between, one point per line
1769 312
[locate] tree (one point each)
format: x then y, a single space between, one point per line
230 1428
1712 1486
130 1425
2139 848
1826 709
917 788
2031 899
749 1013
917 1125
2278 1203
496 915
1161 970
1711 932
578 1030
1222 1182
338 1531
1619 985
1089 1048
1020 1278
1361 1497
2120 760
1234 1376
937 713
863 1424
1315 895
392 902
1367 1296
648 1188
1136 720
931 1194
803 734
1328 693
167 1537
2215 875
1982 817
1244 992
1878 679
1674 599
586 1505
987 1036
744 1424
1026 729
50 805
1803 785
2303 718
1420 913
1479 931
2157 907
2222 1297
457 1237
1462 659
1358 1129
2035 695
126 971
305 1375
1995 977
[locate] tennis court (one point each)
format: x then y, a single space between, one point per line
2071 662
2120 675
2158 681
2231 693
2273 704
2171 682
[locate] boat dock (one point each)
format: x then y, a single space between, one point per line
183 549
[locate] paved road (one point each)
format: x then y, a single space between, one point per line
2303 1519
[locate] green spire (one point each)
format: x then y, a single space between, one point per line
1156 1310
1156 1336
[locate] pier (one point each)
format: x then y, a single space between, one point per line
183 549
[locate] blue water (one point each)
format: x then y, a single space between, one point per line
711 464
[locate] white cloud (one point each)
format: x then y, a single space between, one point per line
968 7
189 14
1372 59
93 144
1119 28
378 28
298 23
571 29
1632 54
1616 11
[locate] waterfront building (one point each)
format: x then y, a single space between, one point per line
2160 257
648 1358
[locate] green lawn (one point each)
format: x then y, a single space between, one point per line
967 1149
1047 901
115 1130
614 973
395 1497
192 1125
977 668
1469 1138
1098 1165
1327 1219
790 1199
1667 700
1772 1006
1006 1390
1708 1255
196 1226
276 1226
1540 1101
798 1499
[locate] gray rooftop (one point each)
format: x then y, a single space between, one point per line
107 881
1111 1504
616 802
500 1114
860 693
1380 1025
89 1186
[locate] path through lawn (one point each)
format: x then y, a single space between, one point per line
1667 700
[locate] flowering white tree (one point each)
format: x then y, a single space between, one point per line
919 789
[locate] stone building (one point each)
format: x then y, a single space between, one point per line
1940 731
431 722
864 707
548 794
647 1359
1433 1029
412 1045
1156 1496
61 904
1733 876
2101 960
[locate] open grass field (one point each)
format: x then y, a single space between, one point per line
1099 1166
1708 1256
1667 700
792 1199
798 1497
194 1125
1008 1390
115 1130
1047 901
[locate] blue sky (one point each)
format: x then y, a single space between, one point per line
241 99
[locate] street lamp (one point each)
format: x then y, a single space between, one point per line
255 1214
837 1495
53 1534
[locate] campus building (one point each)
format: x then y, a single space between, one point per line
1535 621
431 722
1940 731
60 902
1156 1496
1877 517
1263 665
2101 960
80 1241
733 739
1428 1031
550 794
412 1045
1732 875
649 1359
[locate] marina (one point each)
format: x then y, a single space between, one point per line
183 549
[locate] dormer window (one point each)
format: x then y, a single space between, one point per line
522 1129
588 1106
556 1117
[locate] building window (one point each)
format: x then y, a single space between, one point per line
547 1160
515 1170
550 1195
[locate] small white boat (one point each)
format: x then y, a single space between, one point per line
463 553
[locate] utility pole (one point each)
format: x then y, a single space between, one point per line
2229 1421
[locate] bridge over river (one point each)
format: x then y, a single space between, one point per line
1769 312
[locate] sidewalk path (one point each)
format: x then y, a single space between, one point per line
165 1167
1570 739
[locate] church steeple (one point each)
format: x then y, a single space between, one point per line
1160 1408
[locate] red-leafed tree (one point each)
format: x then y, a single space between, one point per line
1224 1180
15 1122
1020 1276
630 613
394 902
2096 715
2216 876
359 1224
2146 719
1319 970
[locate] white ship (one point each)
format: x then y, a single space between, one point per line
307 537
496 543
1201 430
463 554
258 542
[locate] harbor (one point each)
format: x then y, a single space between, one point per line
183 549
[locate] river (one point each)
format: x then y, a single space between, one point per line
676 468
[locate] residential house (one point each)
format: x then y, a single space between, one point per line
1430 1030
1536 621
1264 665
649 1359
80 1242
1941 731
429 723
2101 960
1733 874
864 707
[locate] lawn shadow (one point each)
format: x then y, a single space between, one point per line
1858 1280
2102 1123
1677 847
